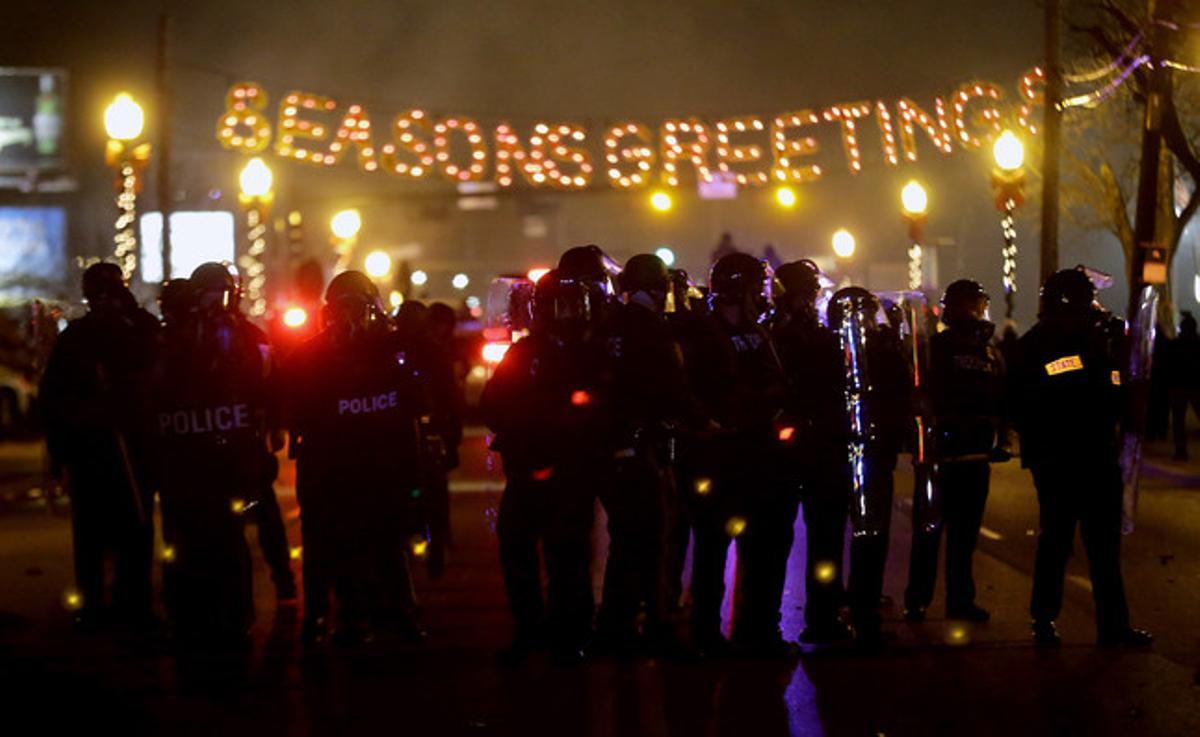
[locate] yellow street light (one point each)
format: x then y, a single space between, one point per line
256 180
843 243
419 278
377 264
786 197
1008 151
661 201
913 199
124 119
346 224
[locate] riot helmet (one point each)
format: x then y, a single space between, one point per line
1067 297
740 280
564 307
797 285
591 267
352 304
214 288
646 281
965 302
852 299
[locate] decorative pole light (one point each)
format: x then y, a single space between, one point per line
345 226
124 122
915 203
661 201
1008 180
256 182
843 243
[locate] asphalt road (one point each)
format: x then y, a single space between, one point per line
937 678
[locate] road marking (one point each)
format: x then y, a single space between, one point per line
990 534
1080 581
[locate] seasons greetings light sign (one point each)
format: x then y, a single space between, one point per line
754 150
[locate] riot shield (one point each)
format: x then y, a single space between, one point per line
1141 354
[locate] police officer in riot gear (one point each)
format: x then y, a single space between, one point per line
817 458
216 307
747 496
210 423
353 405
548 405
650 403
880 420
965 392
1066 382
95 405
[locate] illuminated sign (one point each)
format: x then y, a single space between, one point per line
32 114
743 151
1116 378
32 250
1064 365
196 238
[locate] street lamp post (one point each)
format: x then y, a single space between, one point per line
1008 180
256 196
915 203
123 122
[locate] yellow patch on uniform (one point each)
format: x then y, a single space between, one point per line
1063 365
1116 378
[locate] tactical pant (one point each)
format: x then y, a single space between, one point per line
1087 495
759 510
437 506
825 506
207 583
272 537
868 550
553 506
637 503
104 521
963 486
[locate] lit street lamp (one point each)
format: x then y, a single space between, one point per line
785 197
1008 178
256 182
345 226
123 122
915 203
843 244
661 201
377 264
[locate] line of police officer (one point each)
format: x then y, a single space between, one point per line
710 417
717 416
194 411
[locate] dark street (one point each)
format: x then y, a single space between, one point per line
982 679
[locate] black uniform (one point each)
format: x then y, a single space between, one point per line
94 397
817 459
1068 397
353 408
750 498
650 402
210 422
966 394
546 408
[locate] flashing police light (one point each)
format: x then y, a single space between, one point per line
494 352
295 317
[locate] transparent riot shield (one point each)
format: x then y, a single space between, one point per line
1141 354
508 307
915 323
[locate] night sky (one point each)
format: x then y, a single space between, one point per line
591 62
